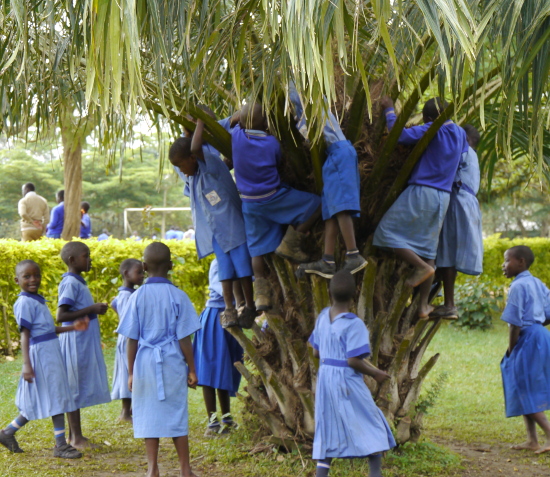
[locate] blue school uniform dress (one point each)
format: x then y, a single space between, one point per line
85 227
120 374
49 393
214 349
348 423
268 205
461 238
415 219
526 370
174 235
341 182
57 219
157 315
82 349
217 216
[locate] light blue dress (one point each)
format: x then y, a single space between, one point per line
461 239
49 393
526 370
157 315
348 423
120 374
82 349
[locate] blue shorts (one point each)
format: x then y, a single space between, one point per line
233 264
341 183
264 220
53 236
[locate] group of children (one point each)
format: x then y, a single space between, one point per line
240 223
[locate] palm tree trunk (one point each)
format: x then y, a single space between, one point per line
72 167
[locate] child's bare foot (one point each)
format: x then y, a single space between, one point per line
526 446
188 474
544 448
153 473
82 443
424 312
420 275
125 417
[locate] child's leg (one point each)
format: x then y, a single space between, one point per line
76 439
228 296
375 465
248 292
238 291
326 267
448 275
354 261
126 412
62 449
542 421
15 425
423 269
305 227
532 442
258 265
424 309
323 467
152 450
7 435
262 287
182 448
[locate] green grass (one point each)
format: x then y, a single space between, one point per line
469 409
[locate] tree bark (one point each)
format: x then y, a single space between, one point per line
72 172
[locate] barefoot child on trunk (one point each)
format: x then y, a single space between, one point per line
158 321
132 276
43 389
347 422
526 365
82 351
412 225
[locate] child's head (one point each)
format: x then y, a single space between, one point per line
156 259
252 117
28 276
76 256
432 109
342 287
85 206
180 156
132 272
60 196
516 260
472 134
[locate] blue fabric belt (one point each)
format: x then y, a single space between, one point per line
464 187
42 338
340 363
157 348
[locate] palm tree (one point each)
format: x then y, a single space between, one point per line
488 57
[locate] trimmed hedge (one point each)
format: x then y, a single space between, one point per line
189 274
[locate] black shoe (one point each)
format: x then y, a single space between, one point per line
229 318
354 263
66 451
247 317
320 267
10 443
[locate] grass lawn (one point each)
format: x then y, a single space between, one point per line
469 409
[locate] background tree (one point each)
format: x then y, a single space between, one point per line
166 56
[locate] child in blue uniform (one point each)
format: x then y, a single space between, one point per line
215 351
218 220
85 221
81 351
412 225
158 321
526 365
461 240
57 217
348 424
43 389
132 276
340 198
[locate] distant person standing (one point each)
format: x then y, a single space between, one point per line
57 217
174 234
189 234
85 221
104 235
34 212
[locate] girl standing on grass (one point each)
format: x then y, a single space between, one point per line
43 389
526 365
132 276
347 422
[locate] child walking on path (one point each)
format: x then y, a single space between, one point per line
348 424
526 365
43 389
132 276
81 351
215 351
461 240
412 225
158 321
340 199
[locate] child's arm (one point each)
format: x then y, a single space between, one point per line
409 136
187 350
514 337
80 324
196 142
63 313
364 367
131 352
28 372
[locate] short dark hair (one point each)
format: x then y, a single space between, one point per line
25 263
523 252
128 264
60 194
472 134
156 255
85 205
29 186
70 249
433 108
342 286
181 148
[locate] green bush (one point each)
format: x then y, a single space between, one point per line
189 274
478 304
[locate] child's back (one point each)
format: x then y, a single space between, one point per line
120 374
